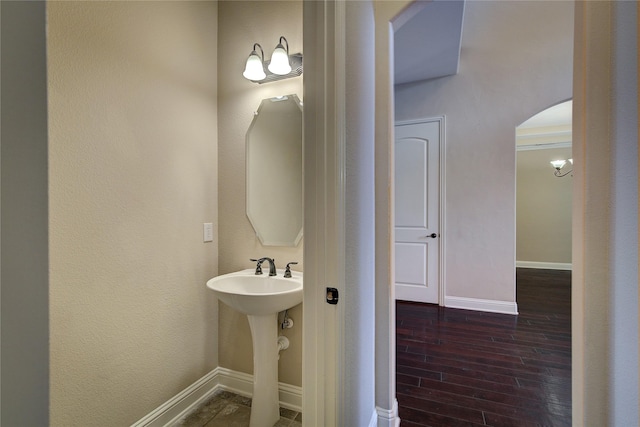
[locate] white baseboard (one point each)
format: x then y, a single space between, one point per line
198 392
240 383
181 403
386 417
544 265
477 304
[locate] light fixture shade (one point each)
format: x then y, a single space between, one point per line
558 164
280 61
254 70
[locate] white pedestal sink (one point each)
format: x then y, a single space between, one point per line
261 298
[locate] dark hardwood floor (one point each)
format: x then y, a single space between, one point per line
468 368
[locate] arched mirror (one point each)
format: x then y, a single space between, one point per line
274 171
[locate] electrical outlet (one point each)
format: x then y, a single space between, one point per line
207 232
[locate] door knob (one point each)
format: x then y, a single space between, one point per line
432 235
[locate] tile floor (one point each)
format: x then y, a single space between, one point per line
226 409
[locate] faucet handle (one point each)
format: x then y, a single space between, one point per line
259 266
287 270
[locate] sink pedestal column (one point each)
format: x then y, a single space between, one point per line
265 404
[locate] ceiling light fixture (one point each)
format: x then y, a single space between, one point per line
281 66
558 165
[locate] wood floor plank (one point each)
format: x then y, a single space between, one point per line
461 367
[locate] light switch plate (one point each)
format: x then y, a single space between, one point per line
207 231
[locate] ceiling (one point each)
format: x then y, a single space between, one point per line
559 114
548 128
427 44
427 41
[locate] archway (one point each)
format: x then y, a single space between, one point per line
543 199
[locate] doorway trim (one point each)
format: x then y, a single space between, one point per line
323 364
442 153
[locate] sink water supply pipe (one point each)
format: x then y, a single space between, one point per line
287 322
283 344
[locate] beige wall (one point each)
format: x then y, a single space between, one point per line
133 176
516 60
241 24
543 209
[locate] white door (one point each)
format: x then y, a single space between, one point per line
417 210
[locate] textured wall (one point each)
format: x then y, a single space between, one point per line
241 24
516 60
133 167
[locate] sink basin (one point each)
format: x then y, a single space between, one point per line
258 295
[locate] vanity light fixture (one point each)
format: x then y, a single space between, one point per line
280 59
254 70
281 66
558 165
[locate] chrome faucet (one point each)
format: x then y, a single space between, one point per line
272 265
